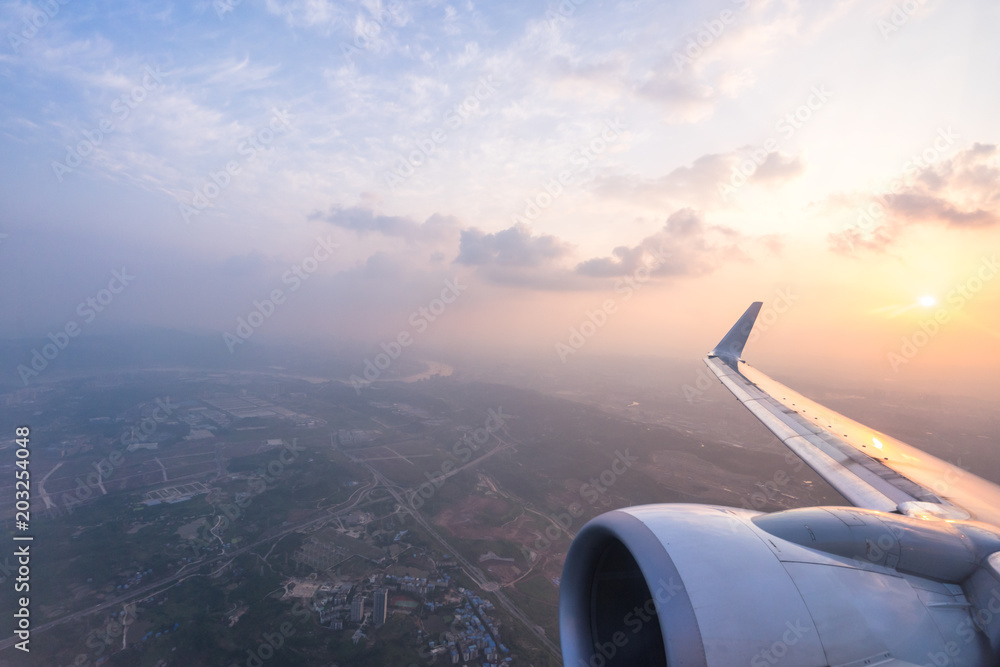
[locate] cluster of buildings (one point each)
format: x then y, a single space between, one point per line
348 437
202 418
379 607
364 606
22 396
473 635
337 606
419 585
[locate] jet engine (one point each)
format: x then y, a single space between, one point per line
695 585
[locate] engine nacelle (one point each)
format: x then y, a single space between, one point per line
691 585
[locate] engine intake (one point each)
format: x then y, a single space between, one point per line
694 585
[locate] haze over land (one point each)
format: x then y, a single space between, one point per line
837 160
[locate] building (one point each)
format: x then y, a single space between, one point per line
381 602
357 609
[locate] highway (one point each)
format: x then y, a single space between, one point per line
190 570
397 492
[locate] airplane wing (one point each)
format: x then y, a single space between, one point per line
908 576
869 468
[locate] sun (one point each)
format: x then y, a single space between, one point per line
928 301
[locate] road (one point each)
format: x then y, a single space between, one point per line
474 572
191 569
397 492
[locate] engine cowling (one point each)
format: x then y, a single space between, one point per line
660 585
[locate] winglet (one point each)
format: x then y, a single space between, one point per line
730 347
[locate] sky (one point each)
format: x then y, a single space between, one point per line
558 179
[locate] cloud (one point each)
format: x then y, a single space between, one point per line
778 167
236 76
514 246
685 246
694 185
715 58
914 207
308 13
962 192
853 239
685 95
698 184
518 257
364 221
